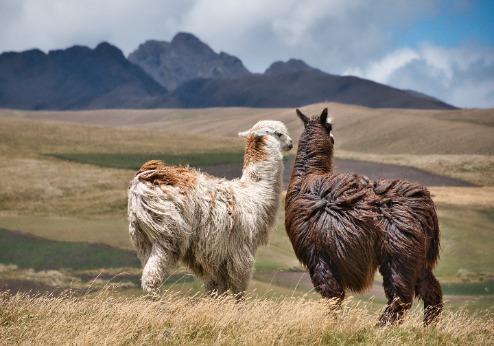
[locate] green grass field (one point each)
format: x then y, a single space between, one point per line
134 161
42 254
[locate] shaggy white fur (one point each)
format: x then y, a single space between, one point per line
215 226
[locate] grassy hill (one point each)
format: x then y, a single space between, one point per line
59 183
358 129
456 143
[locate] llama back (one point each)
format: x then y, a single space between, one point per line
409 207
335 213
157 211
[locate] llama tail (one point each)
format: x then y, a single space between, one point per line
434 242
154 213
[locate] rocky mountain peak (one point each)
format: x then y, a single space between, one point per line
106 48
290 66
186 57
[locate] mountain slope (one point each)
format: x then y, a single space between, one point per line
75 78
184 58
293 89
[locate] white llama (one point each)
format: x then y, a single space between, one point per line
212 225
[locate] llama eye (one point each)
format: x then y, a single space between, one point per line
278 134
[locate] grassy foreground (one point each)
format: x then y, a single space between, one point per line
175 319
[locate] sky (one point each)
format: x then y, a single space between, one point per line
444 48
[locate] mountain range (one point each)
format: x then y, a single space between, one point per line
183 73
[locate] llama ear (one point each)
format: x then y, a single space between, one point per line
244 133
256 133
260 133
324 116
302 116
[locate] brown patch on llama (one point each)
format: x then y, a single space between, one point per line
212 196
255 150
159 174
231 202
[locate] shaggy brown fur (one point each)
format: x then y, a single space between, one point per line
157 173
343 227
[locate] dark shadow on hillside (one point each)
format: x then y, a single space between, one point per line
27 251
229 165
370 169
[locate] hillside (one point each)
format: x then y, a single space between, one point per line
357 129
63 226
295 88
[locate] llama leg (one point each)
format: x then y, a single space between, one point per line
141 242
399 286
154 271
431 293
240 286
239 282
326 283
215 287
239 274
217 284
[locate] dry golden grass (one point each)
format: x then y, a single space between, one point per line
178 320
53 187
466 197
21 137
476 169
358 129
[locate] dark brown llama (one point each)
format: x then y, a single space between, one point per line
343 227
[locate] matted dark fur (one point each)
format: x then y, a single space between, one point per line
343 227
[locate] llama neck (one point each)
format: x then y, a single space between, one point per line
261 182
313 158
310 159
263 163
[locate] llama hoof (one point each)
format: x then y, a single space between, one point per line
215 294
152 293
431 315
385 321
389 319
153 296
239 297
151 288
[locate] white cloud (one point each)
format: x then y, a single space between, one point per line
337 36
381 70
53 24
463 76
329 34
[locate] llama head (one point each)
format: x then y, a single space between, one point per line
316 142
317 123
273 130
